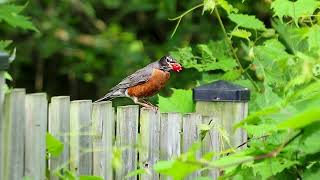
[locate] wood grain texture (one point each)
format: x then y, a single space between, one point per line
170 136
210 143
103 133
225 114
59 127
127 138
190 135
150 141
36 108
2 85
81 137
13 137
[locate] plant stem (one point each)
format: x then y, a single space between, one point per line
233 50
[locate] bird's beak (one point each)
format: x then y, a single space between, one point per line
175 67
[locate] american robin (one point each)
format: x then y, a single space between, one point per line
145 82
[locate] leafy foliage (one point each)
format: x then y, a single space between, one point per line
54 146
246 21
295 10
282 66
11 14
180 101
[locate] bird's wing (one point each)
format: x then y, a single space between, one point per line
140 76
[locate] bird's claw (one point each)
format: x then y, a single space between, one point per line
153 108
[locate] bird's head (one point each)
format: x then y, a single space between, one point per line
167 63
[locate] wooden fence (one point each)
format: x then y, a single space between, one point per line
89 131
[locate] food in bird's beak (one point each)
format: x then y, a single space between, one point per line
176 67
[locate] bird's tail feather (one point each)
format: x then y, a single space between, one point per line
109 96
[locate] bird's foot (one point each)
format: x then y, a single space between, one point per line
150 105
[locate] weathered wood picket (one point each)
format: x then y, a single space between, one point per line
89 131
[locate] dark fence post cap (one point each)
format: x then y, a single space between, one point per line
4 61
221 91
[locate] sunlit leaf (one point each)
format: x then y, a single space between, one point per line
54 146
179 101
247 21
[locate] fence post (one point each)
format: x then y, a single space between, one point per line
150 141
59 122
81 137
36 127
13 135
228 103
170 137
4 64
190 135
103 130
127 138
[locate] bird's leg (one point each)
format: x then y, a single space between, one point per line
149 103
144 104
136 100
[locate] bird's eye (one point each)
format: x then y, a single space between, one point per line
168 59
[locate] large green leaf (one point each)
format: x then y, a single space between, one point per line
179 101
295 10
11 14
227 6
301 119
54 146
272 166
247 21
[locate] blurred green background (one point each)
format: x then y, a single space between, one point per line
86 47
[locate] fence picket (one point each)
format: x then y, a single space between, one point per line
127 138
35 143
2 90
170 136
59 127
103 130
190 135
81 137
150 141
210 143
13 137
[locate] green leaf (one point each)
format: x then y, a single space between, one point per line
7 76
271 166
309 142
54 146
247 21
11 14
135 173
314 37
302 119
231 75
208 5
4 44
241 33
179 101
226 6
90 177
185 57
295 10
203 178
182 166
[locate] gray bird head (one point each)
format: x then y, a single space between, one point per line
167 63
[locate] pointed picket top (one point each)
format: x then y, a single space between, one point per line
221 91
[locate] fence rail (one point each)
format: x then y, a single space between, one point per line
90 130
